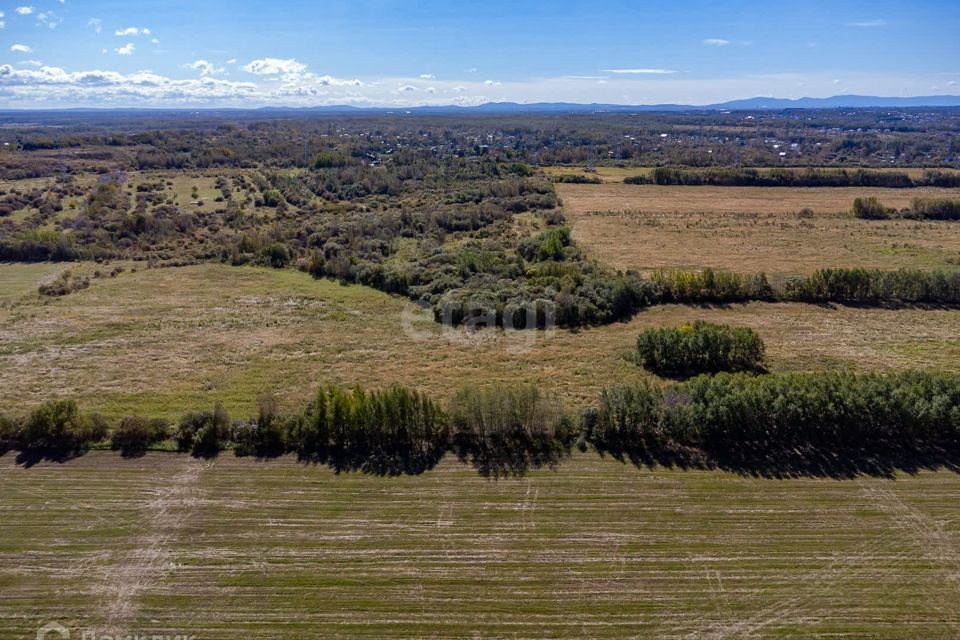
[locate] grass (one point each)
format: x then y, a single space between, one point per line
233 548
751 229
163 341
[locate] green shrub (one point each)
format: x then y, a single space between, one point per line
204 433
701 347
58 425
265 436
871 209
135 434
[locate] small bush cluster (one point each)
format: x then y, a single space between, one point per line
701 347
64 284
577 178
56 427
135 434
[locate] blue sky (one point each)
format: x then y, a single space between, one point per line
67 53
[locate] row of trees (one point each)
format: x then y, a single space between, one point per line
814 422
739 177
499 429
827 422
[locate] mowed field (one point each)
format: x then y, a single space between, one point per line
232 548
750 229
159 342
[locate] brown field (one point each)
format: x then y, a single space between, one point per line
750 229
162 341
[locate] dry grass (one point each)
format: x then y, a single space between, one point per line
751 229
167 544
166 340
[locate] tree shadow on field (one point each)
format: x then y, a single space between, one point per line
811 462
504 457
798 462
30 457
379 462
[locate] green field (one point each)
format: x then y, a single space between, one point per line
160 342
233 548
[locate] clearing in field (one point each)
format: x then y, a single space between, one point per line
751 229
172 544
158 342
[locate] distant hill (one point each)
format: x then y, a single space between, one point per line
835 102
748 104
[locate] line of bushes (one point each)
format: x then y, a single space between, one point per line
737 177
875 286
919 209
500 430
821 423
841 285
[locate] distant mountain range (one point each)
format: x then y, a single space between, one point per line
749 104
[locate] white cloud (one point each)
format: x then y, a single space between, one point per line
232 61
155 41
20 48
96 24
205 68
330 81
53 84
49 19
24 11
716 42
427 76
491 83
275 66
639 71
876 22
126 50
406 88
3 25
132 31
